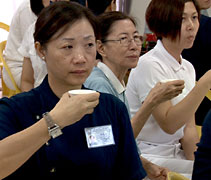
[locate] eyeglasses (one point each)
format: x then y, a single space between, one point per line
125 41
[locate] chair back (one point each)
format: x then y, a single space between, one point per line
4 26
208 95
5 90
176 176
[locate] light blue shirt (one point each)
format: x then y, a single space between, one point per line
104 80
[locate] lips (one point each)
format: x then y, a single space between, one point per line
133 56
191 38
78 72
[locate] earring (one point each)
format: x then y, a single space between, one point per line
43 58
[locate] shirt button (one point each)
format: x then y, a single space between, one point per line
53 170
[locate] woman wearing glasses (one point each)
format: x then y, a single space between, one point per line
120 47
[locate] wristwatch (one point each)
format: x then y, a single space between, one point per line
53 129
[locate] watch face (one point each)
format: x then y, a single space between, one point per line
55 131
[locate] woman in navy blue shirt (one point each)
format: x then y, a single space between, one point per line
45 133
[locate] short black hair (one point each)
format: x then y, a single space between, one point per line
164 17
36 6
98 6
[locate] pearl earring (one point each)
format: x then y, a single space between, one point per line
43 58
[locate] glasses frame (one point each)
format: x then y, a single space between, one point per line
124 44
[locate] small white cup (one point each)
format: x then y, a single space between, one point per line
80 91
167 80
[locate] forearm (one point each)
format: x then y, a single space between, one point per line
188 106
173 117
190 140
27 76
26 86
18 148
139 119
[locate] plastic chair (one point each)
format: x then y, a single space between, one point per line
208 95
198 128
4 26
5 90
176 176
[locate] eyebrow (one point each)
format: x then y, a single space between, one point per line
127 33
85 37
195 12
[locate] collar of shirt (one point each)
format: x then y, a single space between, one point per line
169 58
112 78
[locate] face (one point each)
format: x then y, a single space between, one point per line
70 57
117 55
204 4
190 25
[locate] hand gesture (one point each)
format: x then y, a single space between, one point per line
71 109
165 91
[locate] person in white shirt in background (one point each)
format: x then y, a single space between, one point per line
24 16
169 137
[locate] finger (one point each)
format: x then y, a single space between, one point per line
92 104
176 82
91 97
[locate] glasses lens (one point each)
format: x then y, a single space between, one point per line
138 40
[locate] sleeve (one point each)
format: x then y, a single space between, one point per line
8 124
27 42
141 80
202 163
129 166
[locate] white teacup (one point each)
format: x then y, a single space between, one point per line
167 80
80 91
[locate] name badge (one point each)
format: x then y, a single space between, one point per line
99 136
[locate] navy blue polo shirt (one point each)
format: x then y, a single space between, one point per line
68 155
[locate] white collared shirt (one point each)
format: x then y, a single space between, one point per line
154 66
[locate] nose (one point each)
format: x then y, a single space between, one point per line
190 24
79 56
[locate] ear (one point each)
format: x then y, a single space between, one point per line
101 48
40 51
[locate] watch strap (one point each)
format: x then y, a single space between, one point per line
53 129
49 121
